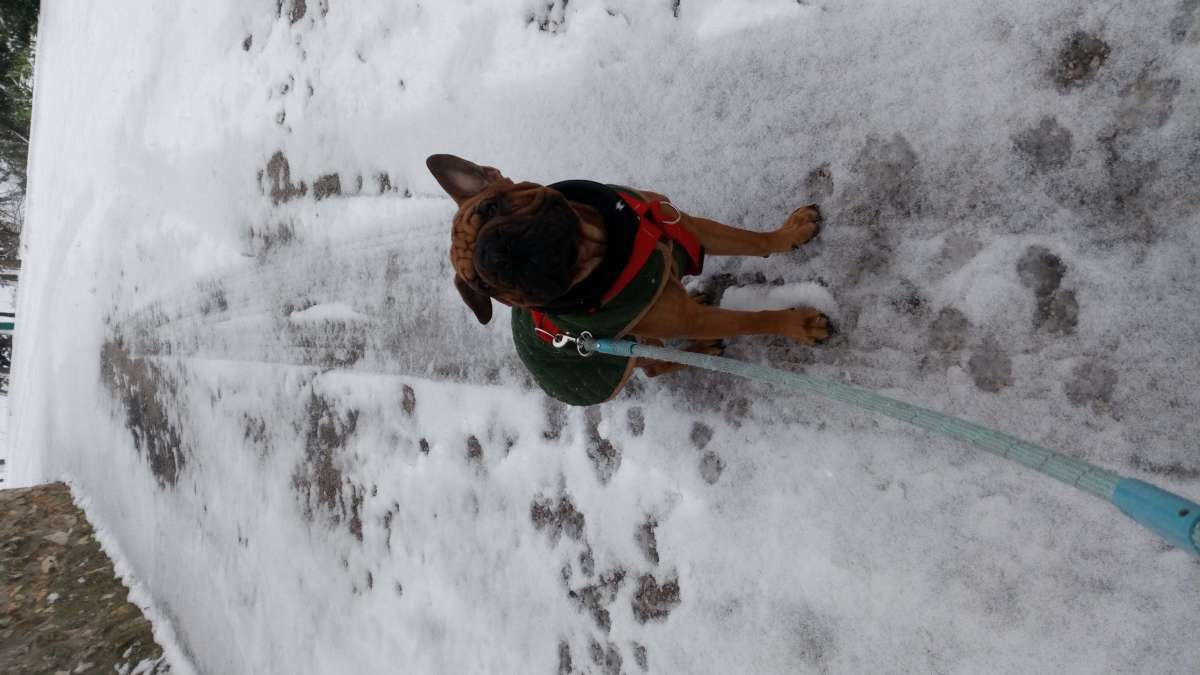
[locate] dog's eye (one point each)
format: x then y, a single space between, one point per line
488 210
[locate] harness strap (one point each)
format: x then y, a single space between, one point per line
647 238
543 327
653 223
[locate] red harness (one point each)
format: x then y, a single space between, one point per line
653 223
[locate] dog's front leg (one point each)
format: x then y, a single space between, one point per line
720 239
676 315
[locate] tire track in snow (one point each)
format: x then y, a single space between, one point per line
380 303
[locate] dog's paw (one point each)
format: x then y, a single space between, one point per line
801 227
810 326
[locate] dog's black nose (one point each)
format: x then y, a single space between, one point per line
522 256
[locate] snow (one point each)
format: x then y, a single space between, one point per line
784 295
332 311
8 297
313 460
139 595
5 422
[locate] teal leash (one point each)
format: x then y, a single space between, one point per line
1174 518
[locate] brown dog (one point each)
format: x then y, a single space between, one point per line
528 245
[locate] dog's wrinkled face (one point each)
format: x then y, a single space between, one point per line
515 242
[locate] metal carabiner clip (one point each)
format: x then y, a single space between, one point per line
562 340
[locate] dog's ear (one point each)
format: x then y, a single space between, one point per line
479 303
460 178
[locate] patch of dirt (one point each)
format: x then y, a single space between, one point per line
958 249
653 602
550 17
636 420
1046 147
385 183
990 366
596 597
290 308
318 479
408 402
948 332
818 184
387 527
279 175
605 457
557 517
907 299
214 299
1175 470
1079 59
607 657
254 430
711 467
1058 314
812 638
510 442
634 389
782 350
716 285
296 9
1127 181
640 657
755 278
647 539
62 609
890 173
701 435
474 451
565 666
1040 270
587 562
875 257
1057 308
335 344
148 395
1148 103
1091 384
736 410
556 418
329 185
1186 22
263 241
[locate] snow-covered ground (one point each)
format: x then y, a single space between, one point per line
8 302
4 441
240 341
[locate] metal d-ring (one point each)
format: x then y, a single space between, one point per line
581 345
678 213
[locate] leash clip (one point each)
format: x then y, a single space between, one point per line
563 339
